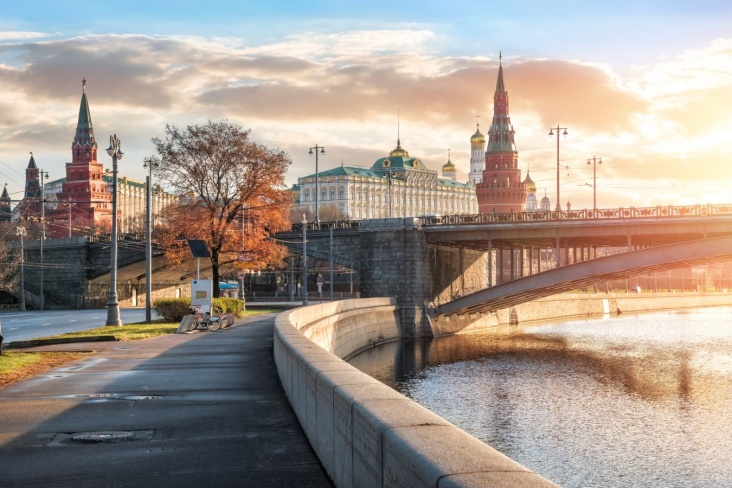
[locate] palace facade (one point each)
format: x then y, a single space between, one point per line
394 186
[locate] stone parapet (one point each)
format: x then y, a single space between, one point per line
365 433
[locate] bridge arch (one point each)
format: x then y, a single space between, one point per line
580 275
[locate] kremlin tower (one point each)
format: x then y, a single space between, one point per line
84 187
501 189
30 206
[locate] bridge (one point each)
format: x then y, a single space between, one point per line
461 264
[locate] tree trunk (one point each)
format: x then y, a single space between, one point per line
215 272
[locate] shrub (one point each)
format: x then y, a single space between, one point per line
228 305
172 309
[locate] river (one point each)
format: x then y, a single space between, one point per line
641 400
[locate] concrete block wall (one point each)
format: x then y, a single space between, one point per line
365 433
456 272
64 271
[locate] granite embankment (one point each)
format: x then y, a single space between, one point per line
365 433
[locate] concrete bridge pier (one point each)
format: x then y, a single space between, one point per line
395 261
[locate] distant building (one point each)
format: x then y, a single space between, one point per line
477 157
546 204
394 186
531 203
29 207
5 206
501 189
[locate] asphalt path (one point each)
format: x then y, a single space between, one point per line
200 410
23 326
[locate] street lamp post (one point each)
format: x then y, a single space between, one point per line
594 161
551 133
304 260
389 175
113 317
21 296
43 175
322 151
150 164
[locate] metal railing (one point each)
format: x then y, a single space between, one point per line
660 211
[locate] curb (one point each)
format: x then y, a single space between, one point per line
67 340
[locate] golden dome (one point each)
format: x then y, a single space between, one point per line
448 166
477 138
530 185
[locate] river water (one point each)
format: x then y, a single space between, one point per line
629 401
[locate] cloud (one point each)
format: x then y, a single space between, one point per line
21 35
344 90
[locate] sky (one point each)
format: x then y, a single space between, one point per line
644 85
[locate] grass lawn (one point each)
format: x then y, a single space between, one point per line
141 330
19 365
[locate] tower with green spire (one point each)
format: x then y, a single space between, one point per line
501 189
84 187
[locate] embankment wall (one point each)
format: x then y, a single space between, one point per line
365 433
569 305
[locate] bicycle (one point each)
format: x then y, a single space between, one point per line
211 322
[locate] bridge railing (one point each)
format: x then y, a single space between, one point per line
336 224
659 211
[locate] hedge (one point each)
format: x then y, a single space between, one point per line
228 305
172 309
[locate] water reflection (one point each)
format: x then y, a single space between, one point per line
631 401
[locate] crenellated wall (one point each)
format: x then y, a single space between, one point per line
365 433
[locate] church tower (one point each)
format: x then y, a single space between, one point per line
501 190
84 187
477 156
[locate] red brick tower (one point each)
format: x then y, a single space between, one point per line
501 190
30 206
84 188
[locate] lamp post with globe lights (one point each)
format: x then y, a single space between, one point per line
113 317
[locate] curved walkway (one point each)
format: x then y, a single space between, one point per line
202 409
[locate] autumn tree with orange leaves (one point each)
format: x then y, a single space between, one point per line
232 195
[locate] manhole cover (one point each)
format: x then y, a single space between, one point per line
93 437
111 436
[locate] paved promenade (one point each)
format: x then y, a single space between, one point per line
203 409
